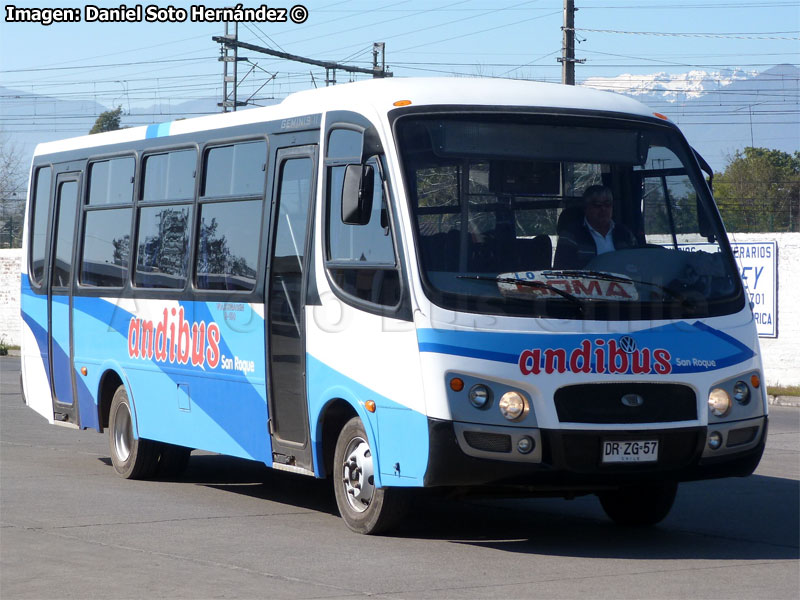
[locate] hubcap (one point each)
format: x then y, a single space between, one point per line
358 476
123 432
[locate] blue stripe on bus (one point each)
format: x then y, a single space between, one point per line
158 130
87 408
692 347
468 352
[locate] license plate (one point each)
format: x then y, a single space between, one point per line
630 451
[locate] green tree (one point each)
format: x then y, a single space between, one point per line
107 121
760 191
12 193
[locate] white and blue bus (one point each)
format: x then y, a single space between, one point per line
398 284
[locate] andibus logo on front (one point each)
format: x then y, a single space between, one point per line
174 340
597 356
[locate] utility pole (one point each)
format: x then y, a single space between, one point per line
378 48
568 59
227 57
330 67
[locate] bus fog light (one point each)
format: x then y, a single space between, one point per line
480 395
526 444
714 440
719 402
741 393
513 406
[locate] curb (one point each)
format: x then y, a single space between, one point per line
784 400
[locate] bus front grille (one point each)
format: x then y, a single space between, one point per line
626 403
488 442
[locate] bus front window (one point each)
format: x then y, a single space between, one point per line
564 218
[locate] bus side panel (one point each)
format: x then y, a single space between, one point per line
35 370
368 357
180 359
234 393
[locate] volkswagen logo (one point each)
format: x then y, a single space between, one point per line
627 343
632 400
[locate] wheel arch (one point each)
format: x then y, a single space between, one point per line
334 413
112 377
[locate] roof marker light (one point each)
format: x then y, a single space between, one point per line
660 116
402 103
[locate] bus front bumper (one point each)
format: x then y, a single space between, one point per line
572 459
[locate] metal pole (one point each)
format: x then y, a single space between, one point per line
568 49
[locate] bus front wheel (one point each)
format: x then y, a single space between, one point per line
132 458
364 507
640 505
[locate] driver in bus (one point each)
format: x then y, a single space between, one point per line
597 233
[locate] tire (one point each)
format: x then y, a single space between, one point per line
132 458
639 506
173 460
365 508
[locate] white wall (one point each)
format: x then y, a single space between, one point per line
10 324
781 355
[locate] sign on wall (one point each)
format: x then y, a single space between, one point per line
758 266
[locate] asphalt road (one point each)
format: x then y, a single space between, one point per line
229 528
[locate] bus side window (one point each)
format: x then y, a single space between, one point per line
231 202
107 225
164 230
38 226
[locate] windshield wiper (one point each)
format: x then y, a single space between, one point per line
618 278
527 283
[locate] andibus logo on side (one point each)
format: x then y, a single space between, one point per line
175 340
597 356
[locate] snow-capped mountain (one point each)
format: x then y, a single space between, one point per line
721 112
675 87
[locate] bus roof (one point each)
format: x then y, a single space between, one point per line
377 95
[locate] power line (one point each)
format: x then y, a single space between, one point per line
141 62
733 36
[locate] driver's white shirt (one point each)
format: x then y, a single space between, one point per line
604 243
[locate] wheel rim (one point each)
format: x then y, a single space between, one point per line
357 474
123 432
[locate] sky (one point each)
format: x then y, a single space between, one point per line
139 64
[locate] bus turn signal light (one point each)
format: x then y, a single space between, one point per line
755 380
84 371
370 405
456 384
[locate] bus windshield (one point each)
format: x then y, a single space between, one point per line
564 217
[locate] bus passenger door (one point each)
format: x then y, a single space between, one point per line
59 298
293 193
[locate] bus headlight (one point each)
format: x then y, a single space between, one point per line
513 406
480 395
719 402
741 393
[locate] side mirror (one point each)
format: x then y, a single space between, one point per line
357 193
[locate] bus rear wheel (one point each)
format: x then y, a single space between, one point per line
364 507
132 458
640 505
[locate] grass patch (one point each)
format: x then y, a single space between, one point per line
783 390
